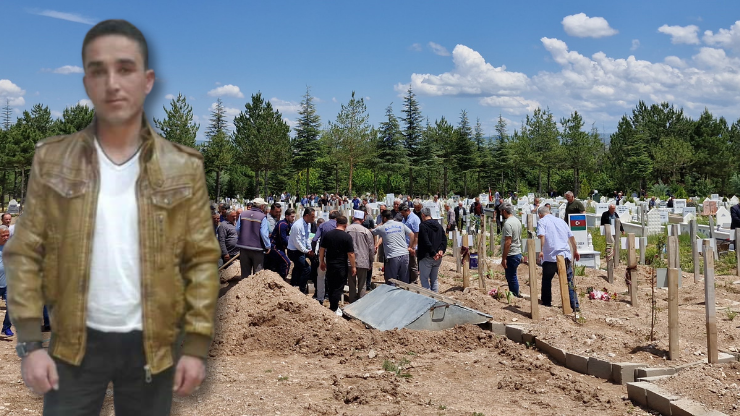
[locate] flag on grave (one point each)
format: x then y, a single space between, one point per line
577 222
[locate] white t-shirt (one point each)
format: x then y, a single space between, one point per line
114 296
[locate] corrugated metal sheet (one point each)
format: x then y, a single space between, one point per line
389 307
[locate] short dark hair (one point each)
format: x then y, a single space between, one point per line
341 220
289 212
308 211
275 205
403 207
387 214
333 215
121 28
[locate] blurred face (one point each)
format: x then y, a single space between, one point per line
276 212
310 218
4 236
115 79
569 198
290 218
396 205
382 208
232 217
612 208
215 218
6 220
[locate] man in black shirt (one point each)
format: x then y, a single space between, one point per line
337 248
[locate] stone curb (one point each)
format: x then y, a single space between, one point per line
636 376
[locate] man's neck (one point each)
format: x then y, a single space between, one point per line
120 141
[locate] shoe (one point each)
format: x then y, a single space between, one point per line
338 312
7 332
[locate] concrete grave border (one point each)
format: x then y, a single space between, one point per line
636 376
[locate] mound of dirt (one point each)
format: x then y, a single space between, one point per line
263 312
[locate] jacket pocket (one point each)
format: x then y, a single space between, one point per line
170 197
50 268
65 186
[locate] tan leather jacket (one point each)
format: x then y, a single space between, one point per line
48 259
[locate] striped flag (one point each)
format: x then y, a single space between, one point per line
577 222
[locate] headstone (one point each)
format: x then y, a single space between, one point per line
654 222
624 212
734 200
688 217
389 198
483 199
603 200
723 217
663 216
13 207
434 207
709 207
577 223
678 206
561 211
530 196
714 197
689 210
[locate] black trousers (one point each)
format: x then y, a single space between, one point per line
336 278
111 357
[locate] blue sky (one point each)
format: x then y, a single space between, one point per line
485 57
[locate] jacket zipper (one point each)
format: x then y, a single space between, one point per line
142 254
85 281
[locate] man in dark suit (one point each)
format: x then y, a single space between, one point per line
735 214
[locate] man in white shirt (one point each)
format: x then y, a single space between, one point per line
299 247
556 239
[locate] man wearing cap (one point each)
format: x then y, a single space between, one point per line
364 247
394 235
254 238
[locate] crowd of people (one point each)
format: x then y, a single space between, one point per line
405 237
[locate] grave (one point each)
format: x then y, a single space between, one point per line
655 221
13 207
709 207
601 208
589 257
734 200
624 212
689 210
714 197
678 206
723 217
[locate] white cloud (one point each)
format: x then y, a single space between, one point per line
438 49
415 47
600 87
11 94
727 38
65 70
71 17
56 114
226 91
169 97
513 105
86 102
681 34
472 75
290 123
334 100
285 107
582 26
635 44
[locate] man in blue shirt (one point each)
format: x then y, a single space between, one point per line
556 239
411 221
299 248
4 236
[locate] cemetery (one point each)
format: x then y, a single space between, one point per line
628 342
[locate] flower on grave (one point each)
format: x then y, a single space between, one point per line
493 292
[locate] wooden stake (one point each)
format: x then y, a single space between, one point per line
694 249
466 263
673 351
617 241
631 255
564 295
482 254
737 249
493 235
673 251
456 251
711 313
643 243
609 261
533 288
711 235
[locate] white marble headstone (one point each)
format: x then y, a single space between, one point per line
601 208
13 207
654 222
734 200
723 217
678 206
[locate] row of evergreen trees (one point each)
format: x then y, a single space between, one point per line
409 153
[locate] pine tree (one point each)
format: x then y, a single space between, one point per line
218 151
390 155
306 150
262 138
75 118
178 126
480 154
7 114
352 134
464 149
412 134
500 150
218 121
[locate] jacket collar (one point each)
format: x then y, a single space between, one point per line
149 153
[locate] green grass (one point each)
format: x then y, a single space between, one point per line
399 369
283 378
